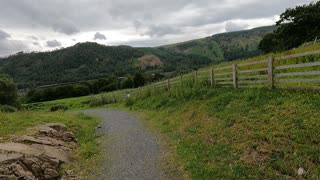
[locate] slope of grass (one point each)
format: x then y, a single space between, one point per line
87 155
243 134
225 46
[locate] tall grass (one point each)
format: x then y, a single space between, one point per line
220 133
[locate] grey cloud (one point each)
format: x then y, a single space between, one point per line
53 43
65 17
230 26
65 26
161 30
4 35
99 36
33 38
9 46
35 43
171 17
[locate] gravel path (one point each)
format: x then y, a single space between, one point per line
131 151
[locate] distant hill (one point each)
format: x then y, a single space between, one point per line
225 46
85 61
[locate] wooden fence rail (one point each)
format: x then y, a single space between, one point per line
273 72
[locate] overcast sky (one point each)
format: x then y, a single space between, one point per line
40 25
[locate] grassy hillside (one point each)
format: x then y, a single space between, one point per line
241 44
243 134
225 46
223 133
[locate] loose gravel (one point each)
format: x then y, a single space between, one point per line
130 151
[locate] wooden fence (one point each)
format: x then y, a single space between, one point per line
291 71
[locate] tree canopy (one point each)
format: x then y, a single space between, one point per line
8 91
295 27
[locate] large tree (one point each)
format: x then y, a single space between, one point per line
8 91
296 26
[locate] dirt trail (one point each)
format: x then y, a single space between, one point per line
131 151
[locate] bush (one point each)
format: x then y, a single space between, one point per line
58 107
99 101
8 91
7 108
129 102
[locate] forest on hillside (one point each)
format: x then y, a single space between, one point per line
90 61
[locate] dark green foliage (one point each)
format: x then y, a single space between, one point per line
74 90
225 46
7 108
138 79
295 27
126 83
58 107
241 44
88 61
8 91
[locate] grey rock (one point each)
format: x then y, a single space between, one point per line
38 155
301 171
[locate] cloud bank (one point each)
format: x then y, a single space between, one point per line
137 22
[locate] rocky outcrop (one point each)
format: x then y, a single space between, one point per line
38 154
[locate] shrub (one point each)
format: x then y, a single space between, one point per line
7 108
99 101
8 91
58 107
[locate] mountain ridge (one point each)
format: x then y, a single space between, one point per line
85 61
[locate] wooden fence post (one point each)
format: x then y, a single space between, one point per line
181 82
234 76
113 98
270 72
155 88
211 77
195 76
315 40
139 91
168 84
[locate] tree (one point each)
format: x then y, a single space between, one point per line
296 26
8 91
138 79
126 82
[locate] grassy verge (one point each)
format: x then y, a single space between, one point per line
222 133
87 155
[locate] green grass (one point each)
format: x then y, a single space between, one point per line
85 160
231 134
243 134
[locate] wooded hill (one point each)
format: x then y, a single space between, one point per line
85 61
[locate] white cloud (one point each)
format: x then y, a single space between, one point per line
136 22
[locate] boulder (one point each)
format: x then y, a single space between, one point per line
39 154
